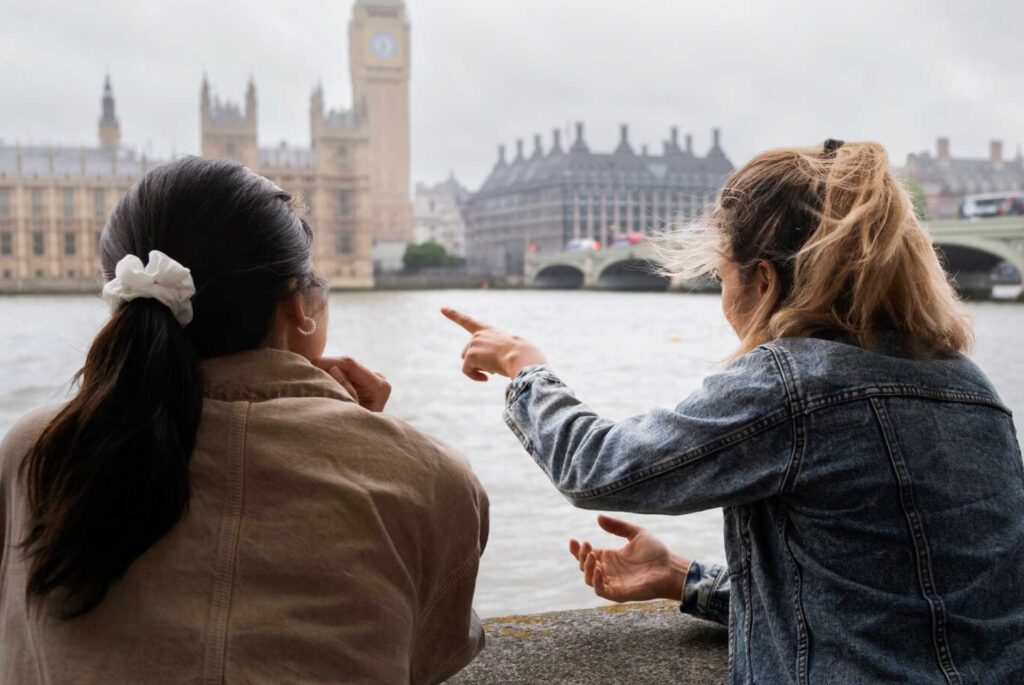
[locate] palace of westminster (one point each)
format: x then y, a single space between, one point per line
353 179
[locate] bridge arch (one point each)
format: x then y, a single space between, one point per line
971 261
633 273
559 277
1000 251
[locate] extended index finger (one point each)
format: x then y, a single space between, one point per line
464 320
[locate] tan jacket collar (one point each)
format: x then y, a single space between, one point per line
265 373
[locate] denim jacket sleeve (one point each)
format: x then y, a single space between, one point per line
706 592
728 443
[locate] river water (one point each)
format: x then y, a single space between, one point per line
623 353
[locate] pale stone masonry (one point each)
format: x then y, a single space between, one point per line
437 213
330 179
353 179
542 200
54 202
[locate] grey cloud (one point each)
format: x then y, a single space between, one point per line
487 71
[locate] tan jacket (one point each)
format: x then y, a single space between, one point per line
323 543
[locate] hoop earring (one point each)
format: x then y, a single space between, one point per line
312 327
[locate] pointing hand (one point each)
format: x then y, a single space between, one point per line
492 351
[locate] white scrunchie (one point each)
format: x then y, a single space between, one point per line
162 279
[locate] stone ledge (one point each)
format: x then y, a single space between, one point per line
646 642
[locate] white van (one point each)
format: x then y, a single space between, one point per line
992 204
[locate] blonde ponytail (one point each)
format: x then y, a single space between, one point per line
853 260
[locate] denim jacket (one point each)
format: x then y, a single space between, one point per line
873 506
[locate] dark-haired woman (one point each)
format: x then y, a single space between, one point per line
870 475
218 503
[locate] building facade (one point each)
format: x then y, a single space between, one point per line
353 179
946 180
544 199
330 178
379 59
437 214
54 202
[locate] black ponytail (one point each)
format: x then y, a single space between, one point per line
108 477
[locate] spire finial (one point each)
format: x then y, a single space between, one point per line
580 145
556 141
624 147
109 116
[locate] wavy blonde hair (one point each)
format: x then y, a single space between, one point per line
851 257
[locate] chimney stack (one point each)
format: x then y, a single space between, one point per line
538 147
995 152
689 143
501 154
942 149
624 134
519 150
579 145
675 136
715 137
556 140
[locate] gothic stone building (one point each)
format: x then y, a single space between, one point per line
549 198
946 179
353 179
54 202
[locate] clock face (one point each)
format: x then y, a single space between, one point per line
383 45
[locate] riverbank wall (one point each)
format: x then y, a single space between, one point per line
635 643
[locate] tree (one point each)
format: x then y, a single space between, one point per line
919 200
428 255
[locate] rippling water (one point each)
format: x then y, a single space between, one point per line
623 353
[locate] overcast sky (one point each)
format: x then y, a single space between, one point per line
490 71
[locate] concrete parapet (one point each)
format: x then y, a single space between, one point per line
646 642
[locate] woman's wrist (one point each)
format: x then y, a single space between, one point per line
520 357
679 568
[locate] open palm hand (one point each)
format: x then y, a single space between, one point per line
643 569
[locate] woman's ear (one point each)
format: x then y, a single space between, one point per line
292 310
766 277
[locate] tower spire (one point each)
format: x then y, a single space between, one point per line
250 102
109 129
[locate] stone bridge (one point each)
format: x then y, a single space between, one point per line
979 254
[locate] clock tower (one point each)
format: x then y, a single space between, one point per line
378 39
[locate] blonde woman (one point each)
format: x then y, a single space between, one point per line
871 478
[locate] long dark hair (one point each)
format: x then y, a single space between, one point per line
108 477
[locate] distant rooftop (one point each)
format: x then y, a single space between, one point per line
226 112
959 175
341 117
284 156
44 161
675 165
